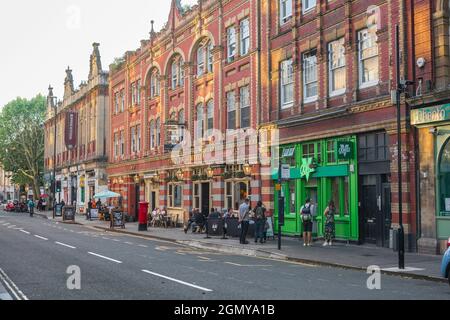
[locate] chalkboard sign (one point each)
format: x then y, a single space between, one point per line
58 210
69 213
94 213
117 220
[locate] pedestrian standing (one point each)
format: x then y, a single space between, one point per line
31 207
329 213
260 221
244 220
88 216
306 215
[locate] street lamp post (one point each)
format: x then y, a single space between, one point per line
54 104
401 88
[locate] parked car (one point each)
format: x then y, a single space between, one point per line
10 206
445 268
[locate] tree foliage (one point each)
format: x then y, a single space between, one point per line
22 140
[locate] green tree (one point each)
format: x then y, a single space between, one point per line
22 140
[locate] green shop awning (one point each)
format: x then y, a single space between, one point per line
321 172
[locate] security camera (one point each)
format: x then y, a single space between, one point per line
434 130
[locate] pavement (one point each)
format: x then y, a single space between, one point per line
340 255
44 259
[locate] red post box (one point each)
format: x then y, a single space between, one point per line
143 209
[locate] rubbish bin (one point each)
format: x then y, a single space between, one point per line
143 209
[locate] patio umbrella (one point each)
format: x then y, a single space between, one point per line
106 195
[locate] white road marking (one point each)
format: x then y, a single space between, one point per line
10 227
178 281
12 286
103 257
26 232
39 237
142 246
65 245
115 240
105 238
130 243
248 265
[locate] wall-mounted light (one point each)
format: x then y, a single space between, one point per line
247 169
180 175
137 179
210 173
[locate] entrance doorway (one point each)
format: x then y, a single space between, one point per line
375 210
136 203
205 205
153 201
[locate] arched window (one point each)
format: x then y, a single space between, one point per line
210 115
154 84
158 132
204 58
177 72
181 123
444 177
200 121
152 134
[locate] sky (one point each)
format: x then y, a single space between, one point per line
40 39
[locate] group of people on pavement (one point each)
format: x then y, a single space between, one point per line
258 216
307 220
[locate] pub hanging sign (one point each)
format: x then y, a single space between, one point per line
71 130
345 150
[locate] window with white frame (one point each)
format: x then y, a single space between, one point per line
368 58
177 73
181 124
287 83
158 132
122 102
133 140
210 115
231 43
154 84
116 103
152 134
138 92
245 37
201 53
308 5
122 143
337 71
138 138
116 145
175 195
210 57
133 94
200 122
231 110
285 11
245 106
310 76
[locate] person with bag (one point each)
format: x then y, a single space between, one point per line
330 212
307 220
260 221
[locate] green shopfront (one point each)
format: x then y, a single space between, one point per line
321 170
433 125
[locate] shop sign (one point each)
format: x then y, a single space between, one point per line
430 115
447 204
71 130
307 168
285 172
82 182
345 150
288 152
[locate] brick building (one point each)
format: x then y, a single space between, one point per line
331 65
191 82
81 171
428 25
319 73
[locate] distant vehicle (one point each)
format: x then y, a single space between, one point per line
445 268
10 206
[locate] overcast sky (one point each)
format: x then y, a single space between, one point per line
40 39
